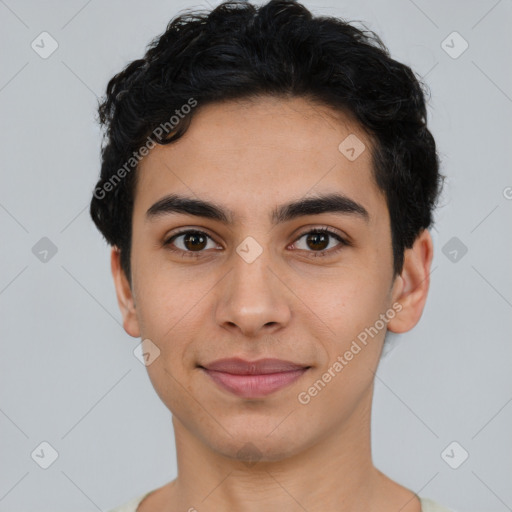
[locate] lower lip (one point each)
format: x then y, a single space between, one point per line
254 386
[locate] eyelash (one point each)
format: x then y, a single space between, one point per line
315 254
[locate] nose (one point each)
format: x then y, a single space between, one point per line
252 300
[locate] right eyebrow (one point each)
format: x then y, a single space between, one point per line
174 203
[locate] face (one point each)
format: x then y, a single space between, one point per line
256 281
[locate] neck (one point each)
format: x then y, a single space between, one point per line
333 473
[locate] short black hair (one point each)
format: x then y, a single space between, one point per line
239 50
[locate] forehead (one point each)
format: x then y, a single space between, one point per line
266 150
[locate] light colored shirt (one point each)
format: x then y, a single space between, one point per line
427 505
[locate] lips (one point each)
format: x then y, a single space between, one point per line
237 366
253 379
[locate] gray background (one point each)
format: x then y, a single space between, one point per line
67 369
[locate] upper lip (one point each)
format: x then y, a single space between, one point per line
239 366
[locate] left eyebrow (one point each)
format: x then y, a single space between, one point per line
329 203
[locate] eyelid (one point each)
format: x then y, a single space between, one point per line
343 239
169 240
343 242
326 229
185 230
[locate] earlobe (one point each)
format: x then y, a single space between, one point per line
411 287
124 294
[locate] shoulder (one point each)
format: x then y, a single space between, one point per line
131 506
427 505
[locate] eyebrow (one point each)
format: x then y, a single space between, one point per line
329 203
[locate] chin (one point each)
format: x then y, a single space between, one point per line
265 445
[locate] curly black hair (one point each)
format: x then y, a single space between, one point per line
239 50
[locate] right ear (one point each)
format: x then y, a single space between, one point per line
124 295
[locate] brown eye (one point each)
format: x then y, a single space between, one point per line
318 242
189 242
194 241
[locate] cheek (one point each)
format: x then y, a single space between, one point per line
353 300
171 311
356 332
165 300
167 319
352 353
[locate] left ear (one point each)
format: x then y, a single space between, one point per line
410 289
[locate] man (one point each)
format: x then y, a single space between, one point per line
267 186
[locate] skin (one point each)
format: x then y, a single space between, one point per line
249 157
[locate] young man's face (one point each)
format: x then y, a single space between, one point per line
304 299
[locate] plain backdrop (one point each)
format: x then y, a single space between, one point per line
68 373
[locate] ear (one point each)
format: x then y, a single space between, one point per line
124 295
410 289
